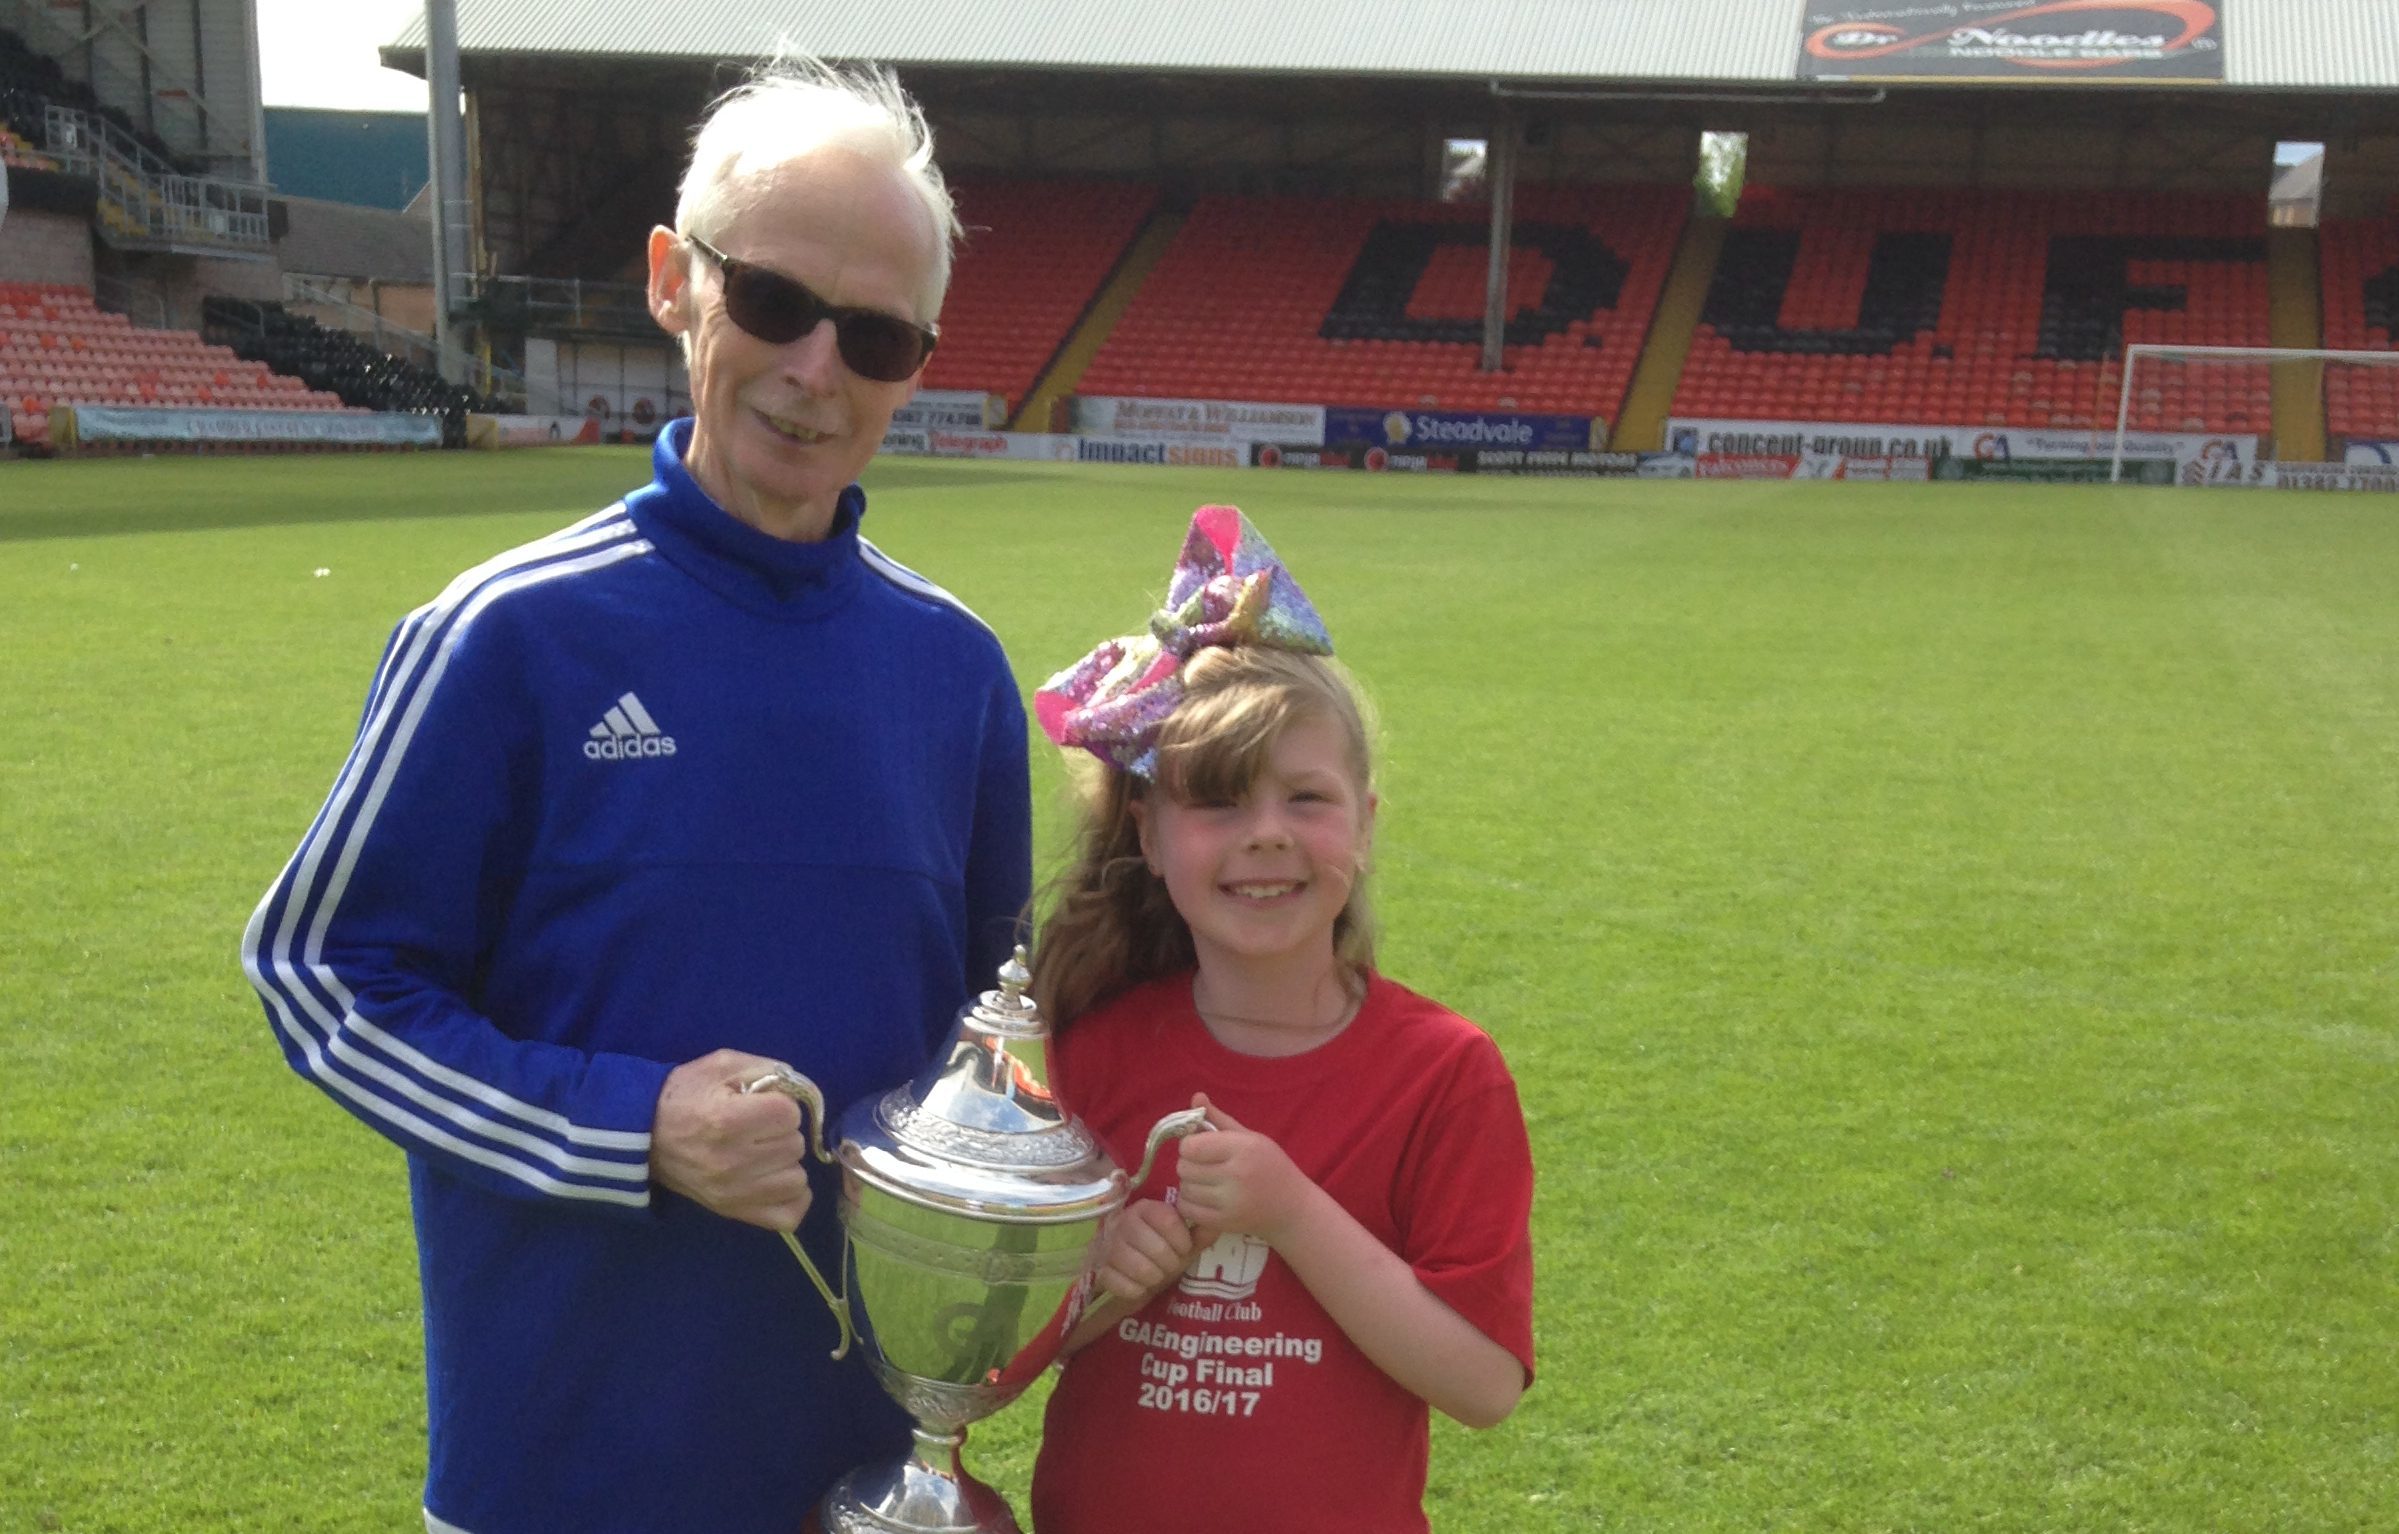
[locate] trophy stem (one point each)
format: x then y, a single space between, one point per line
928 1492
938 1452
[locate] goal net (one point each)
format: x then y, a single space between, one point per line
2350 397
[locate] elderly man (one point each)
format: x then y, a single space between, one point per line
698 785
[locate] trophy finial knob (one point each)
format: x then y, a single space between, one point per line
1014 977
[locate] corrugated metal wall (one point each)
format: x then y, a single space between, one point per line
228 64
1712 40
2313 48
2311 44
183 70
2302 44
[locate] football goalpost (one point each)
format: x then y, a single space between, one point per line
2140 352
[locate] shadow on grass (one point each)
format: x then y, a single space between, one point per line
281 508
907 474
33 526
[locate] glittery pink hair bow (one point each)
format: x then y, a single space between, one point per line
1228 589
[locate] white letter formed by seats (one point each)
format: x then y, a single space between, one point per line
626 731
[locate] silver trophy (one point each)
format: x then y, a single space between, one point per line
969 1200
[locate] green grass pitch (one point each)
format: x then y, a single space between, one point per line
1944 934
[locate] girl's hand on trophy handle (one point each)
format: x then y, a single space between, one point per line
1144 1248
1147 1247
1239 1180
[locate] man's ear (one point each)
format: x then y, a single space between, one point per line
670 281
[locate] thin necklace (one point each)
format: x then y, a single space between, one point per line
1350 998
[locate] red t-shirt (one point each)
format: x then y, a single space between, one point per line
1232 1401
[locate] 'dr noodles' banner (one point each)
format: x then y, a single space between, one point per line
2069 41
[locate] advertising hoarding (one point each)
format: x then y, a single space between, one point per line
1175 452
496 431
951 409
1033 446
1851 439
1697 435
2056 471
85 424
1425 431
2079 42
2328 476
1239 422
1375 458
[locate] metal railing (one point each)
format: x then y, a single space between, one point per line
537 304
110 81
144 200
144 305
331 296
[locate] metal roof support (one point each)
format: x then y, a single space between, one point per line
254 86
137 36
445 132
1499 176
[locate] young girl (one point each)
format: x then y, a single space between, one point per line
1281 1302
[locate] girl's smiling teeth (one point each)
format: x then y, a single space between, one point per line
1263 889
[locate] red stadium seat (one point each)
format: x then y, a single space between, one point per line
1933 307
2360 276
56 348
1035 256
1379 303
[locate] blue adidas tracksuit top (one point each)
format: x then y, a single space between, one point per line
653 785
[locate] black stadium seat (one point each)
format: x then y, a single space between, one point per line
337 362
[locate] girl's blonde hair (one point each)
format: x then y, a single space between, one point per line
1111 925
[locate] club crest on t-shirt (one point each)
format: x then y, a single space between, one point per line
1228 1270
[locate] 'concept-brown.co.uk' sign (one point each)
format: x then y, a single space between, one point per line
2080 41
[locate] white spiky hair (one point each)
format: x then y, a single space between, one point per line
793 105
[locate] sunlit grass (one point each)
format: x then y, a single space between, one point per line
1944 936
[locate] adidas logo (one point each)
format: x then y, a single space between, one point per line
627 730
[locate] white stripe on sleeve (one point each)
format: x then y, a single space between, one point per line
346 1051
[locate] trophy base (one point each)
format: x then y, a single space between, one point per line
929 1492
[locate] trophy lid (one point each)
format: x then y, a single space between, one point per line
979 1132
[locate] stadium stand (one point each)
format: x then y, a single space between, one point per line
335 361
1982 308
147 197
1035 254
57 348
31 82
19 154
1375 303
2361 313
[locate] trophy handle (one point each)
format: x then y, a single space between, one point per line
801 1090
1186 1121
1176 1125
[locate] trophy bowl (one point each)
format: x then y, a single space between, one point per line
970 1200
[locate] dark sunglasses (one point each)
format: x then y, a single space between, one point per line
777 310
